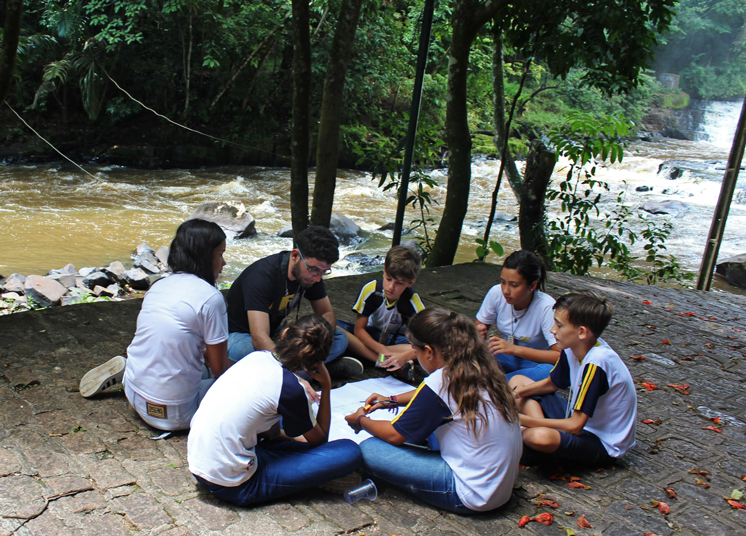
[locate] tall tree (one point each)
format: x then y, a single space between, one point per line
301 101
331 113
468 17
11 33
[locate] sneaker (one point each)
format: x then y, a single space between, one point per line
344 367
103 376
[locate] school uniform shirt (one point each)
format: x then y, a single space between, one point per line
485 467
603 389
180 315
391 317
530 328
264 286
244 401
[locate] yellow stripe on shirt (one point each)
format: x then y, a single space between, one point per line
585 385
410 402
417 302
368 289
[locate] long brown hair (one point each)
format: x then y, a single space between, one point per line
469 367
304 343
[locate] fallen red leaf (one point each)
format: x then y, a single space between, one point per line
583 523
718 430
656 422
735 504
547 502
521 466
716 420
702 483
686 314
578 485
649 386
664 509
646 302
649 534
683 389
743 478
574 478
545 518
637 357
671 493
523 521
665 342
687 358
696 471
557 476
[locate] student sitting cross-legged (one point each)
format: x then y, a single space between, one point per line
597 425
466 402
226 450
383 309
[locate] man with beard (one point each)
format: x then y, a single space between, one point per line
270 290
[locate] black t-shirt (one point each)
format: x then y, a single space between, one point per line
264 286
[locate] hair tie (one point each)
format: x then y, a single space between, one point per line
452 316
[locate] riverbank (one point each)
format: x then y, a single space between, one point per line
74 466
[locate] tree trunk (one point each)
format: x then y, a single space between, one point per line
12 30
539 167
301 97
498 89
327 146
468 17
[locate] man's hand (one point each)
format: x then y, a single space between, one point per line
498 345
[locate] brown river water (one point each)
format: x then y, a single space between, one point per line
51 215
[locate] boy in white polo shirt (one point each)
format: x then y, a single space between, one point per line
597 424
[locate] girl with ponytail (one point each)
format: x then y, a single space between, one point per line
228 451
466 402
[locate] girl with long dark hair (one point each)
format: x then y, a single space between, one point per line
466 402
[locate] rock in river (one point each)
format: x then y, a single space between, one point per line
676 208
230 215
43 290
734 270
346 230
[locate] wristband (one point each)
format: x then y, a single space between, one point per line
393 399
359 426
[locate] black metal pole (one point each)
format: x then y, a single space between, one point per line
414 115
720 217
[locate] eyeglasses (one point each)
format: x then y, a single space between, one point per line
313 269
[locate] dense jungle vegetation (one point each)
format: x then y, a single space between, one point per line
291 81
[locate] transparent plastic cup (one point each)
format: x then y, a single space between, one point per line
366 490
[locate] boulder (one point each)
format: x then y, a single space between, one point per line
148 265
68 269
734 270
137 279
286 232
14 283
666 207
387 227
44 291
644 189
71 299
87 271
503 218
115 271
230 215
414 246
10 296
364 259
64 279
112 290
162 255
96 278
740 197
346 230
145 258
144 248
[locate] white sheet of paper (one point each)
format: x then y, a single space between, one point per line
348 398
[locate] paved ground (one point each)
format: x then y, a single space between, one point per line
75 466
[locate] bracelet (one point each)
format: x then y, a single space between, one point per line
393 399
359 426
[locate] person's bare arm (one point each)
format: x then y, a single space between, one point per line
216 357
383 430
574 425
542 387
324 308
259 327
319 434
482 328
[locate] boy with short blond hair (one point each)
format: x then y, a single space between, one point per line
383 309
598 423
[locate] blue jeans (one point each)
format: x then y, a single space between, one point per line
419 471
373 332
240 345
288 467
513 366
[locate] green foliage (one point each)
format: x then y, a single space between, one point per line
483 249
581 236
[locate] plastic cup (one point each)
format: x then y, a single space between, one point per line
366 490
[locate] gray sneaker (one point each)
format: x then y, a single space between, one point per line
344 367
103 376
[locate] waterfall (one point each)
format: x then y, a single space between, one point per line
718 123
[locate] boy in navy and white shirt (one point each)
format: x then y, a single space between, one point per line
597 424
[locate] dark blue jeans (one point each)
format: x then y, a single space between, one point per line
288 467
418 471
240 345
373 332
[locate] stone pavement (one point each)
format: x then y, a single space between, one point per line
78 467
